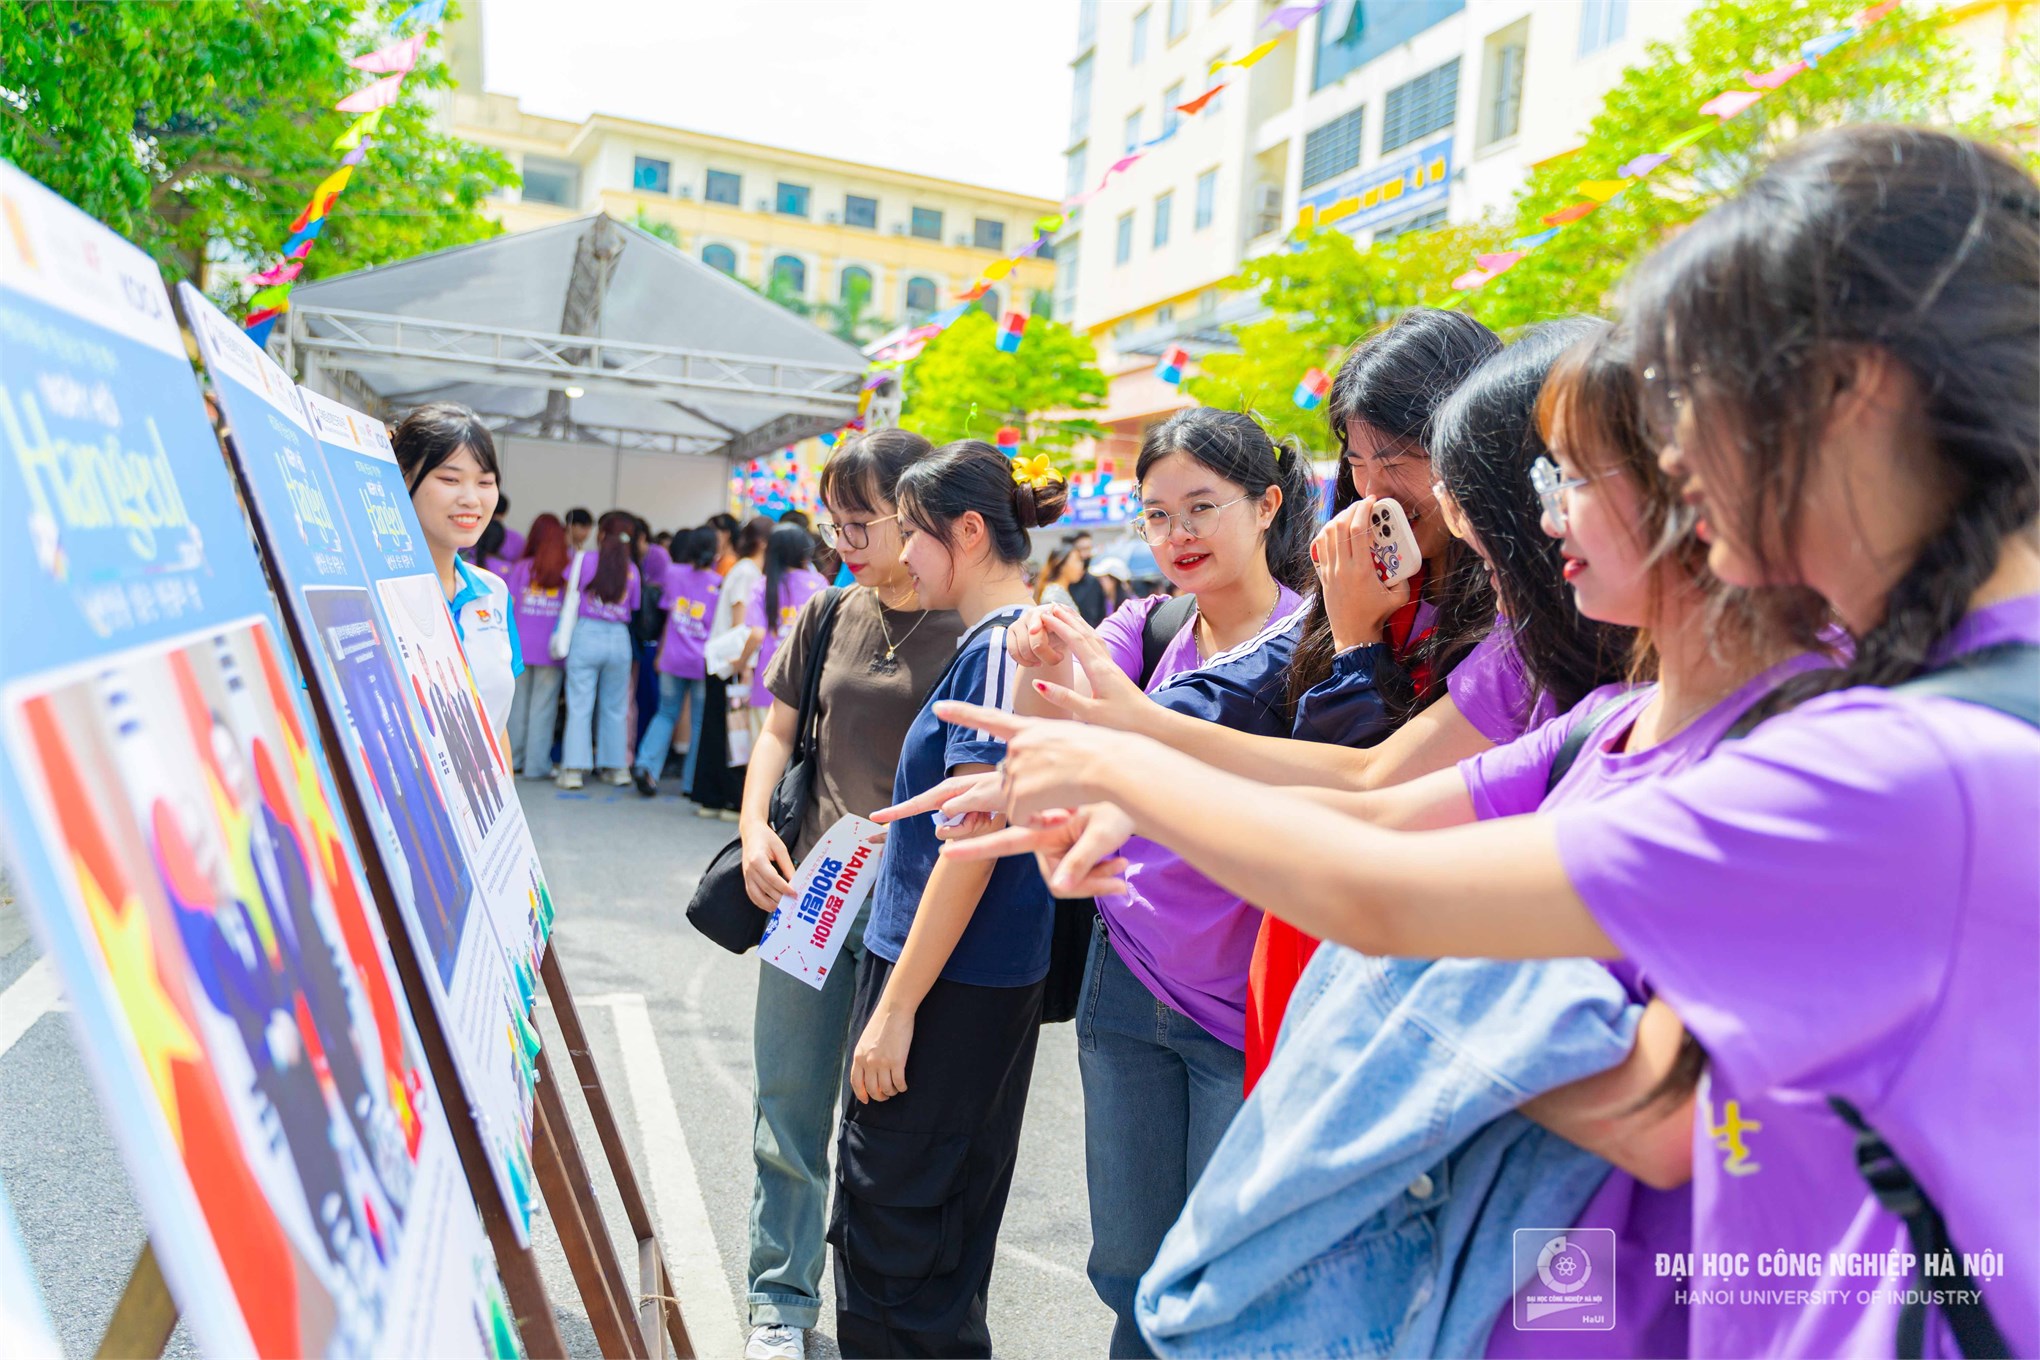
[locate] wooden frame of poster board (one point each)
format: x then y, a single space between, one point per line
628 1325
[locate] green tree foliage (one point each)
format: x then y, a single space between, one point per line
199 128
964 386
1907 69
852 319
656 227
1326 292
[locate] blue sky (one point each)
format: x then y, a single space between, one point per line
973 90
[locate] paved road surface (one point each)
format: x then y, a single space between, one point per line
669 1016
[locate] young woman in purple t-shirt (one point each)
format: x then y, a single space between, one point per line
538 587
599 659
1843 906
691 586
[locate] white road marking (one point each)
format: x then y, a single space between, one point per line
28 999
682 1214
1028 1258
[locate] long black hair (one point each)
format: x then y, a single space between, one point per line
1393 382
969 474
1484 437
1232 445
613 564
697 547
789 549
1919 244
428 435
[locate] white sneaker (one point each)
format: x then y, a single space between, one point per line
776 1341
568 779
618 776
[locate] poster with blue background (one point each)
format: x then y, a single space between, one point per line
407 790
171 821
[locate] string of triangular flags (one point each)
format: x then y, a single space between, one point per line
1728 104
1013 327
392 62
1731 103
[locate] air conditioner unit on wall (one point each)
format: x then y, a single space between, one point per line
685 191
764 205
1267 208
899 229
963 238
832 219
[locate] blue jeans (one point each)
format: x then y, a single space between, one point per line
658 736
800 1039
1159 1094
533 712
598 688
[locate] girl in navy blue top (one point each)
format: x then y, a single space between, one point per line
949 992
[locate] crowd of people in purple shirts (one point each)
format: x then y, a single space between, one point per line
1621 937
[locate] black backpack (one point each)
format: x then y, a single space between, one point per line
2005 678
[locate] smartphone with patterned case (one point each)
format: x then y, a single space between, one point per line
1396 555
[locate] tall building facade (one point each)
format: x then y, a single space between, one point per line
821 227
1428 111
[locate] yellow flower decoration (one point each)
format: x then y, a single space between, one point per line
1036 472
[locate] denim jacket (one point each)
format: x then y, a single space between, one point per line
1364 1200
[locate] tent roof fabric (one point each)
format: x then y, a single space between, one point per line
668 353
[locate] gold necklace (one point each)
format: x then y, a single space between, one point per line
889 663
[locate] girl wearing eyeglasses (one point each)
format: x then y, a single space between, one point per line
1161 1020
884 654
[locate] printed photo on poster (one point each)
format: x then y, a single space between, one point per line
407 793
229 924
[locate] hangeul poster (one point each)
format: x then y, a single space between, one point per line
414 804
470 756
172 826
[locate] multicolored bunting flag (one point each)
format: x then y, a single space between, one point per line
398 57
1170 369
1731 103
1007 440
1310 393
359 128
368 98
1011 331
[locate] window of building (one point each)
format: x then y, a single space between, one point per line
1179 18
1417 108
1164 206
1502 92
1352 34
988 235
920 299
1066 253
720 257
790 272
651 176
1140 28
1087 24
1421 222
792 199
1218 58
1080 101
1207 302
550 181
1207 199
1165 315
859 211
1133 130
724 186
1332 148
854 282
927 224
1122 248
1122 332
990 302
1602 23
1171 117
1075 181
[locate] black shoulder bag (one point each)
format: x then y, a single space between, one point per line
1069 946
721 907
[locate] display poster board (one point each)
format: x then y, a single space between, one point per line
25 1330
418 802
171 822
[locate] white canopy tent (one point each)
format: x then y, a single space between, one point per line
591 336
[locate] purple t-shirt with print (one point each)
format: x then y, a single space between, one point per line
1187 939
1492 690
794 590
1509 781
690 602
1847 903
538 613
602 610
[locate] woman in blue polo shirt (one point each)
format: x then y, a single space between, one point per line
449 464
